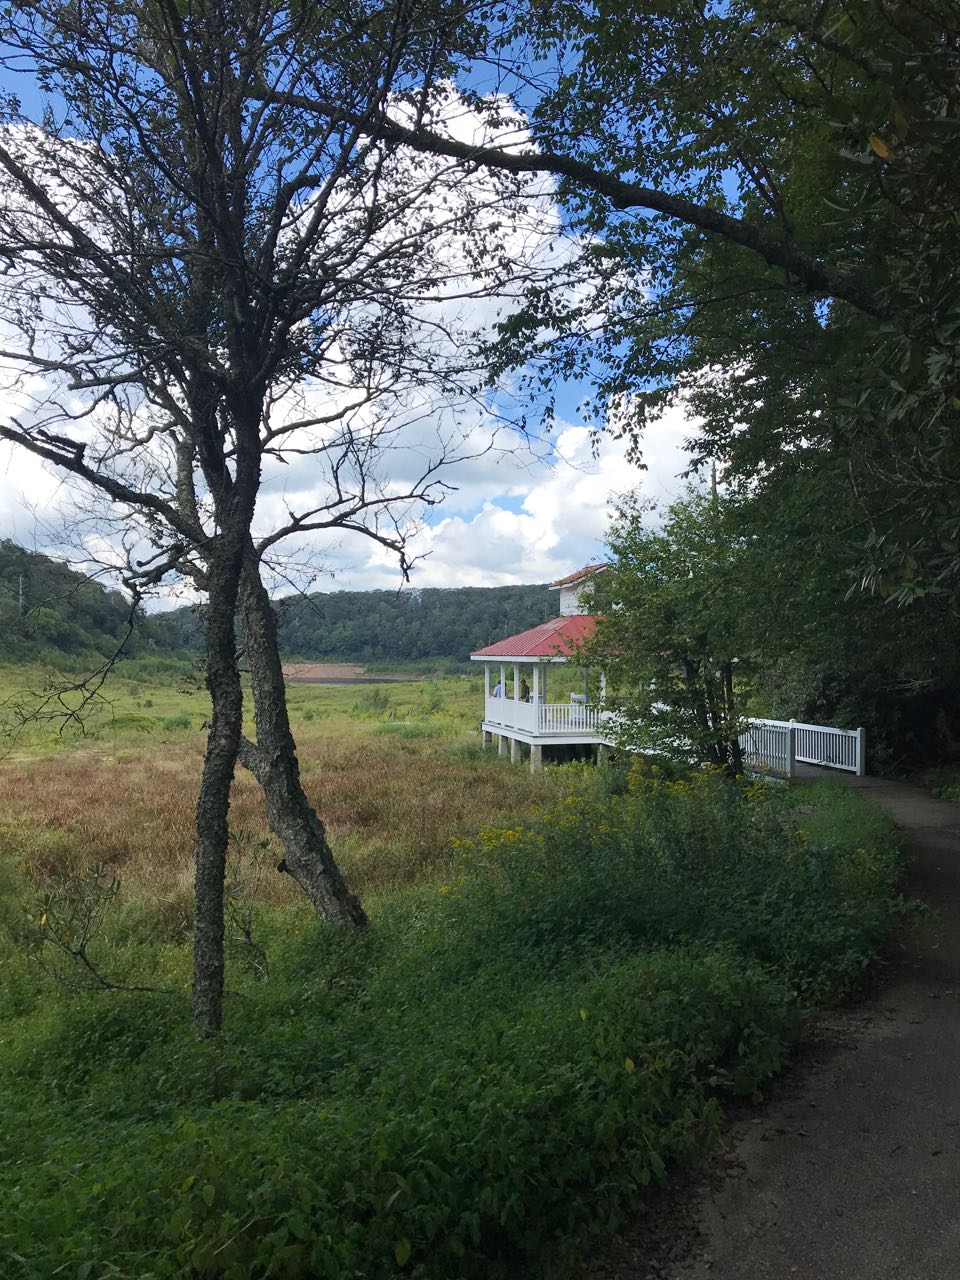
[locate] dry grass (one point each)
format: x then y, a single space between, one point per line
391 804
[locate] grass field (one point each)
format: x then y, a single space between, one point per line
566 976
395 772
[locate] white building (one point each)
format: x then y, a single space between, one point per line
516 702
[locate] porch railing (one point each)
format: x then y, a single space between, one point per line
547 718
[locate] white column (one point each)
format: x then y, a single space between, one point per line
514 750
861 752
603 686
503 680
486 682
536 697
536 758
516 682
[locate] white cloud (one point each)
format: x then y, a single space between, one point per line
534 530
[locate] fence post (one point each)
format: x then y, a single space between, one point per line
861 753
791 752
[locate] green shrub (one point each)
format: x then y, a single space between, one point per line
372 704
404 729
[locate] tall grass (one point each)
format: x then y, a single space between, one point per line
390 801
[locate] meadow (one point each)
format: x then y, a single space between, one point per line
395 771
567 976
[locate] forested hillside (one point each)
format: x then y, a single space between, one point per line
51 613
373 626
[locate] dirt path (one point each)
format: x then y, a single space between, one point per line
853 1171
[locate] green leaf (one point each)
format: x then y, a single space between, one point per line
401 1251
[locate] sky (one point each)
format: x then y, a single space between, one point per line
509 516
510 520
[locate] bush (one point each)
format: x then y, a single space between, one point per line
372 704
404 729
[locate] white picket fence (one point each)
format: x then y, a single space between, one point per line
549 718
778 746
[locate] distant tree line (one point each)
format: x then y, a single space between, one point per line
50 612
391 626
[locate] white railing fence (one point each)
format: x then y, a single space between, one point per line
778 746
547 718
568 717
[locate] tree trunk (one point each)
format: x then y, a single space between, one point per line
273 762
736 751
213 804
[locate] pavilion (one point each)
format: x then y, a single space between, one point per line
537 722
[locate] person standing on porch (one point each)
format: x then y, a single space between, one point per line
524 690
498 690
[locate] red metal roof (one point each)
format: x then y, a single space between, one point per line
554 639
585 572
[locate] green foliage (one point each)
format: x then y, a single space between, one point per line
802 298
494 1071
389 627
49 612
374 703
673 634
832 655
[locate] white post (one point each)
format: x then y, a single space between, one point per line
486 685
501 745
536 758
516 682
536 696
544 689
791 752
503 680
514 750
861 752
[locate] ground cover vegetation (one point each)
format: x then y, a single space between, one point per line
396 768
546 1018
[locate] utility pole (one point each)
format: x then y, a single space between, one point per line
20 595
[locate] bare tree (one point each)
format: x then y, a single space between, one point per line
209 281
